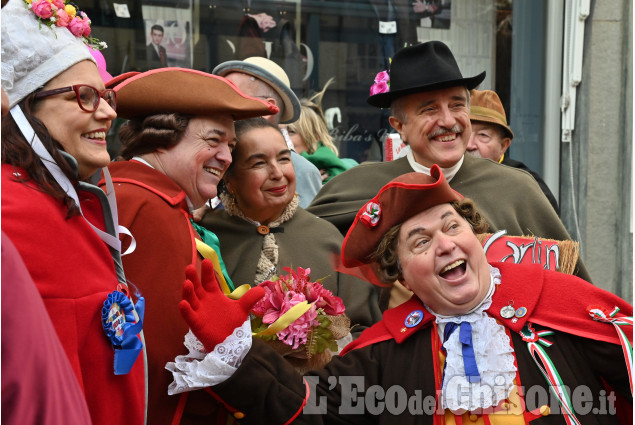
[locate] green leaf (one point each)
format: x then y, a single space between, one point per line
258 326
321 337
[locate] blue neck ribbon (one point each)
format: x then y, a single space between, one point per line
467 348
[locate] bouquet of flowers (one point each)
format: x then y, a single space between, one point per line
301 319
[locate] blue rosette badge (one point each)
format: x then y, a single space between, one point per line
122 327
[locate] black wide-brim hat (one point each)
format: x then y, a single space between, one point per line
424 67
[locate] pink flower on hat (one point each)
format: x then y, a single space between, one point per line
42 9
382 83
86 25
62 18
76 26
371 216
379 88
64 14
383 76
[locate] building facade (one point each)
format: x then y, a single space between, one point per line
563 69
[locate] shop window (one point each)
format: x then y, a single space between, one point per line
313 41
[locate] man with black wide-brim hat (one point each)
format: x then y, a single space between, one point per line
430 106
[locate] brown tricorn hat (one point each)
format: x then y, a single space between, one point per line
185 91
399 200
486 106
423 67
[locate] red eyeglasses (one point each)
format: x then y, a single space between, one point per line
88 97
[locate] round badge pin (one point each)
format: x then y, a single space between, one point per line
508 311
521 311
414 318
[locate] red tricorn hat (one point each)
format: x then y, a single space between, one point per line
399 200
185 91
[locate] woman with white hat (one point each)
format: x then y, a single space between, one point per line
64 228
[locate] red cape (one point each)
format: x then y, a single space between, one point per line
554 300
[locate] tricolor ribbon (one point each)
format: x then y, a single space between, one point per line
536 344
602 315
208 252
370 217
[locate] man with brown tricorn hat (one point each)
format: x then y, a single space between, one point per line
430 103
476 343
491 136
176 147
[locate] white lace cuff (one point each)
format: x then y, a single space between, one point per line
200 369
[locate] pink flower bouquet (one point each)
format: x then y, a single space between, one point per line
316 330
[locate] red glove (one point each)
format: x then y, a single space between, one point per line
211 315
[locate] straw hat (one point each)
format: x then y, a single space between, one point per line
271 73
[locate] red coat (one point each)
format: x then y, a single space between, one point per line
153 207
74 272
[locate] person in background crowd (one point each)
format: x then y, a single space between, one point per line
429 101
176 147
476 343
311 138
264 79
53 140
491 136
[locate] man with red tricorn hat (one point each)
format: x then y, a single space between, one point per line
176 147
477 342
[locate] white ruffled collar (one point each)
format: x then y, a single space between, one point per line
494 358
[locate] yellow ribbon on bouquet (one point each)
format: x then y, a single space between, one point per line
293 314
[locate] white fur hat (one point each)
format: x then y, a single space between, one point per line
32 52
